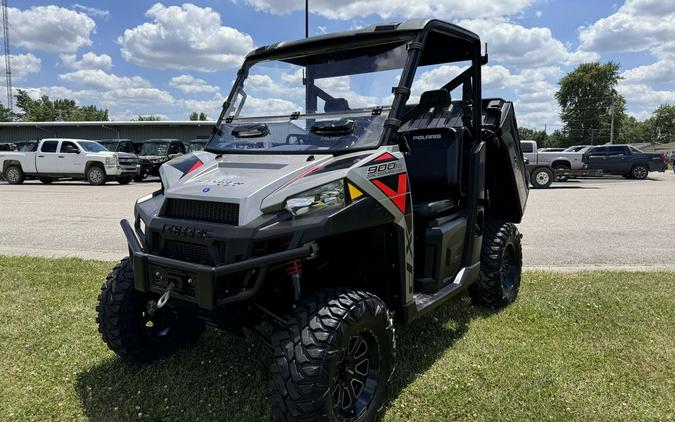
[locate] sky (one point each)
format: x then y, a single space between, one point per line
171 58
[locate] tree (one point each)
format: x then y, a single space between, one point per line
45 110
662 124
5 114
587 97
540 136
148 118
201 116
634 131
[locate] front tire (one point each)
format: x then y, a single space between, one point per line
125 180
561 167
96 175
639 172
127 326
541 178
501 264
14 175
333 359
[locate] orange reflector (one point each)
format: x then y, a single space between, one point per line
354 192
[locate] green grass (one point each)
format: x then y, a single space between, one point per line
574 347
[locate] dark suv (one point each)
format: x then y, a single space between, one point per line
126 154
155 152
624 160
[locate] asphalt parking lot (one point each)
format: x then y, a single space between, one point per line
581 224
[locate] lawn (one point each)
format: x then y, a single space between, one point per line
574 347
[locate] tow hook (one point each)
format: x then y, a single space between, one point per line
165 296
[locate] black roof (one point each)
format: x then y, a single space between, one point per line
463 41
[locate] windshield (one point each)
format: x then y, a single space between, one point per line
90 146
328 102
154 148
110 146
197 146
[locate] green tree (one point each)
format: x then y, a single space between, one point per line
5 114
540 136
634 131
662 124
587 97
198 116
148 118
45 110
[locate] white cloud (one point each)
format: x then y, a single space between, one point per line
22 65
188 84
659 72
50 28
88 61
92 11
638 25
98 79
187 37
514 45
350 9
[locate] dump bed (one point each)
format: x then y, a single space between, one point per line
505 172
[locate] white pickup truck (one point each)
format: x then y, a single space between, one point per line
546 167
54 159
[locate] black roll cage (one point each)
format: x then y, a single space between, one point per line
417 41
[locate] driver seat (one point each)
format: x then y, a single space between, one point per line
434 161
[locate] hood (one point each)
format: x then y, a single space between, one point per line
245 179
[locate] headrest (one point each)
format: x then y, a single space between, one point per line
438 98
336 104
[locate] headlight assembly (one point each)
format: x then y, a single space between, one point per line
330 196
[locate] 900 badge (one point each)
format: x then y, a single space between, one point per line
384 169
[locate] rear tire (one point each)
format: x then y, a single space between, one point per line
501 263
14 175
639 172
541 178
333 359
96 175
128 329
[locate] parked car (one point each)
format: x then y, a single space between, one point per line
547 167
126 154
197 145
64 158
155 152
625 160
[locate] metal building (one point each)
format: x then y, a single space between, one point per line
133 130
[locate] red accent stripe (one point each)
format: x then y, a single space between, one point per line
398 196
384 157
195 166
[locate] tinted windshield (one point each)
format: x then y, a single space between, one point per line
154 148
110 146
322 102
197 146
90 146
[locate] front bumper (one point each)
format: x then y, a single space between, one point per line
117 170
199 282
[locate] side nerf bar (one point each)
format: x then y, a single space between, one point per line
206 275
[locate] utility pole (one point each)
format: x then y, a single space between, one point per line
611 130
306 18
8 64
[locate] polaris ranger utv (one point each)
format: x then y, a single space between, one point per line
328 214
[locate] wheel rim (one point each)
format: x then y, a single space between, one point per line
159 325
510 268
95 175
639 172
12 175
357 377
542 178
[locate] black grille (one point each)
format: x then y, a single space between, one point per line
127 160
197 254
214 212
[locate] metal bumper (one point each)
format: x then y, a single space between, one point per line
203 277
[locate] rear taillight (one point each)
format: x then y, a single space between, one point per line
664 158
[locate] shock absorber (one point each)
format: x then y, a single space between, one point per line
294 269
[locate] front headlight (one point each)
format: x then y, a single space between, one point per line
330 196
111 161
